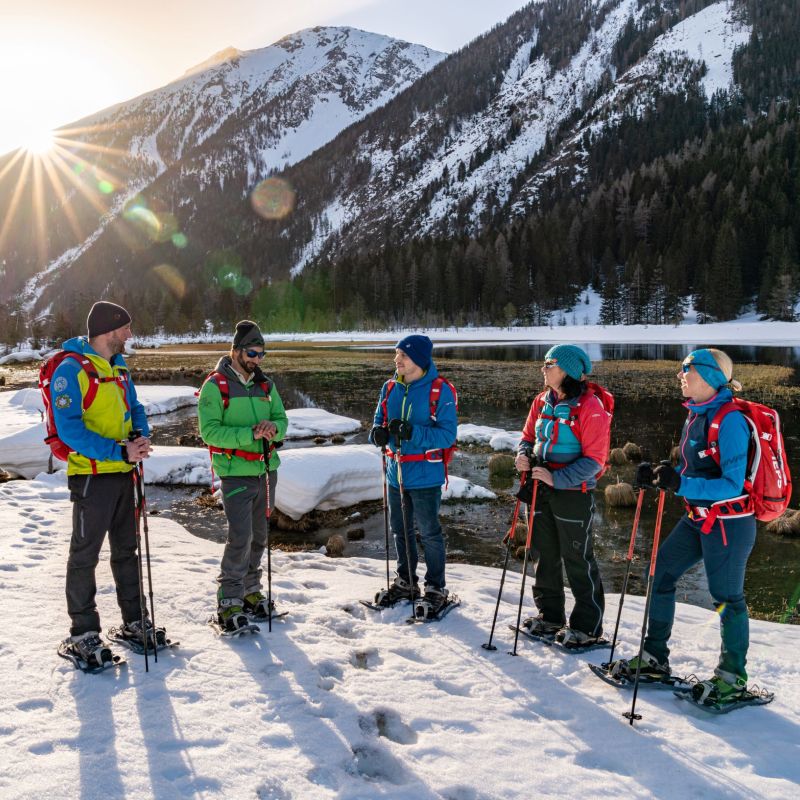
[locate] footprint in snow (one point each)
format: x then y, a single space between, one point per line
365 659
387 723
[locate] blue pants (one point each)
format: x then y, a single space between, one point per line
725 567
422 506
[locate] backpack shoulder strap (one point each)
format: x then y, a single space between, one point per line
390 384
436 394
93 379
221 382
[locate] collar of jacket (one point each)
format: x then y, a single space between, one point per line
711 405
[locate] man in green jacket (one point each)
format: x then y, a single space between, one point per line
241 417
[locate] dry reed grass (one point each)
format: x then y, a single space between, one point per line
620 495
501 466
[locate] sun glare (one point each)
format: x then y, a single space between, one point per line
39 142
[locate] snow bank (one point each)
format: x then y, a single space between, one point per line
496 438
21 357
309 478
341 702
307 422
23 452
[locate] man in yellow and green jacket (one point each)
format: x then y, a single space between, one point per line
99 476
241 417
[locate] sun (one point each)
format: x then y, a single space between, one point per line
39 142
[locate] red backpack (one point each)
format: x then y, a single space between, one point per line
60 449
767 480
602 394
222 384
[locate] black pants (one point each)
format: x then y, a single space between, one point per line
562 533
101 504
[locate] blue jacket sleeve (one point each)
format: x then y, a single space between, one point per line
575 473
68 416
377 418
443 432
734 439
138 416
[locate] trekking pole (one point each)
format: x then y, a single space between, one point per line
267 448
405 522
508 539
531 516
147 558
656 536
629 559
385 514
137 516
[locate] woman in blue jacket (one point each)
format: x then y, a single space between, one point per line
718 528
415 423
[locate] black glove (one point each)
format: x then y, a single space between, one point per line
525 492
666 478
644 476
401 428
379 436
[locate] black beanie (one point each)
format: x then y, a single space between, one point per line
247 334
105 317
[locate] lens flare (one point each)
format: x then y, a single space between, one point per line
39 142
171 278
273 198
105 187
179 240
227 267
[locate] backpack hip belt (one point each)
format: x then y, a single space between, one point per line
741 506
435 455
245 454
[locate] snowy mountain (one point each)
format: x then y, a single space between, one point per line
275 105
467 147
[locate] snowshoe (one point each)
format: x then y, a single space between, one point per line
539 626
573 639
435 604
621 680
651 670
549 639
89 653
715 699
398 591
130 635
258 608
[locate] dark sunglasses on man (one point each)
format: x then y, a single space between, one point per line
255 353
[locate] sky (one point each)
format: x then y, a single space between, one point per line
61 61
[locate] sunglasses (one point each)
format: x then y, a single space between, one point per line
254 353
550 363
686 367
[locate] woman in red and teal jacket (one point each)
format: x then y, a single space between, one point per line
719 527
565 447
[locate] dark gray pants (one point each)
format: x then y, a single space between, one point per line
244 499
562 532
101 504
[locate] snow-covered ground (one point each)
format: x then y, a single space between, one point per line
340 702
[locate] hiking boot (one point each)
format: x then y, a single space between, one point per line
651 668
539 626
572 637
257 605
90 649
399 590
230 614
132 631
720 690
432 603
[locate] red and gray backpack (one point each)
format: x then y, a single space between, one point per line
767 480
444 454
60 449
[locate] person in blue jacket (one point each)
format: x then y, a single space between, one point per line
718 528
416 442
